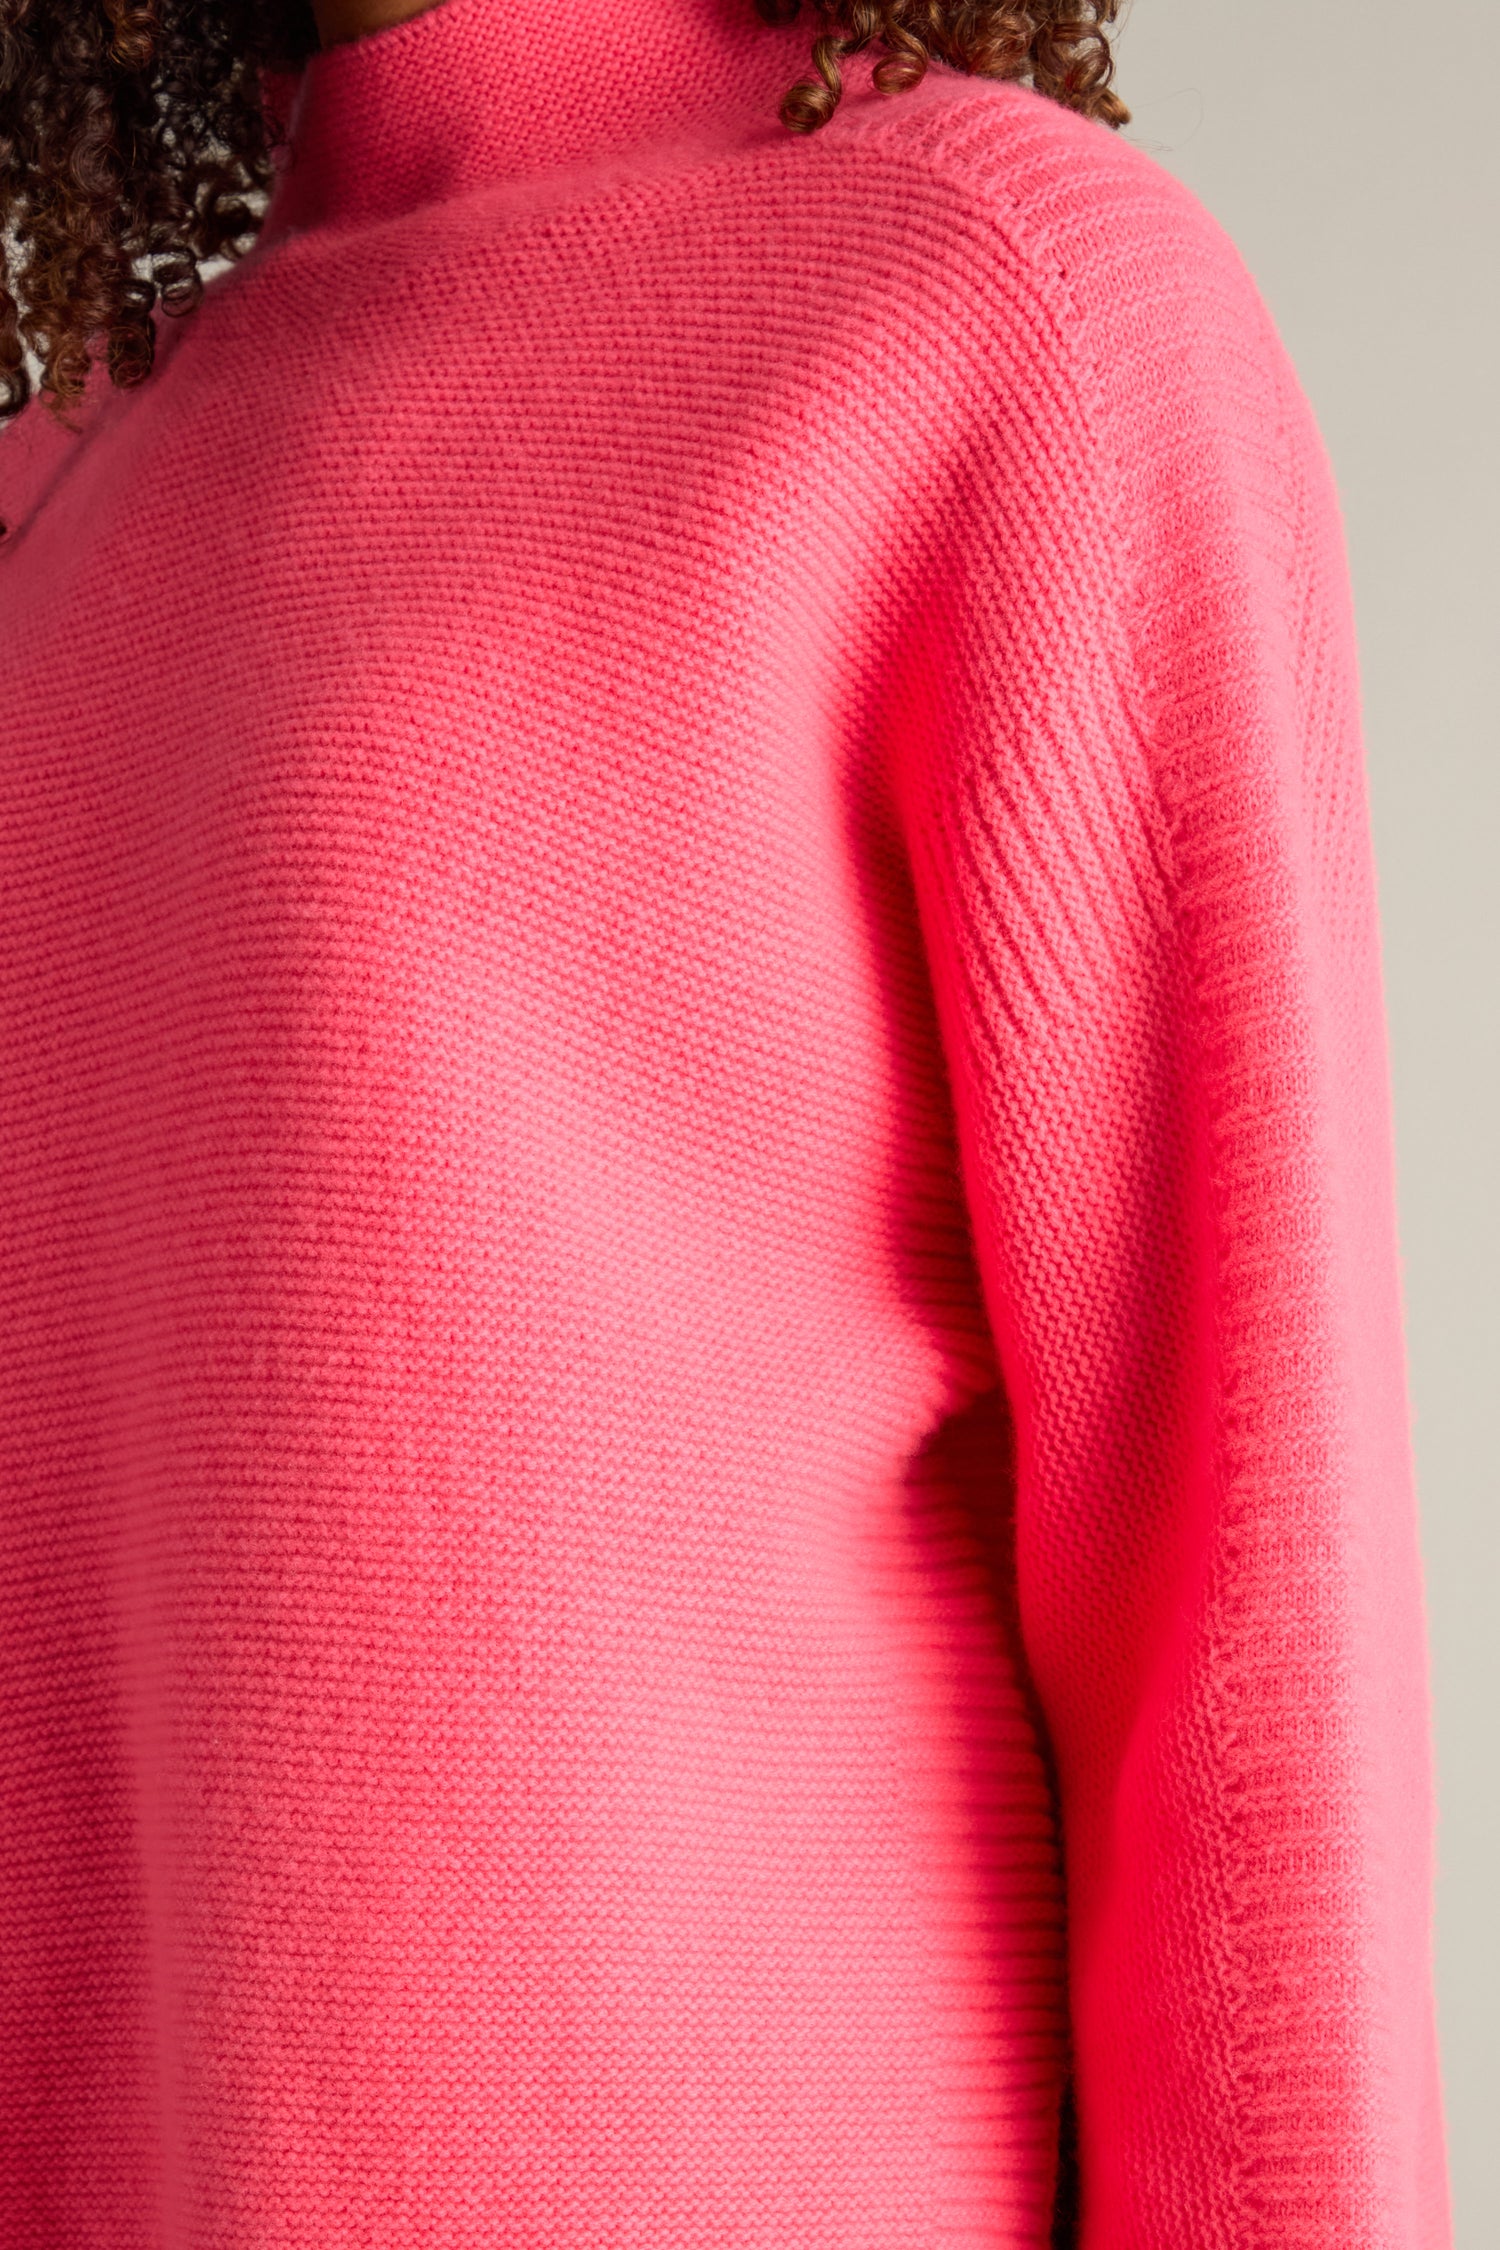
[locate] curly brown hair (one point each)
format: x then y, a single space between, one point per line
137 139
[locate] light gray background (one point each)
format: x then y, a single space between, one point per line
1352 150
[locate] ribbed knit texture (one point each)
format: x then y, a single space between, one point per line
702 1421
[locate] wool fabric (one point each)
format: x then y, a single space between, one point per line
708 1532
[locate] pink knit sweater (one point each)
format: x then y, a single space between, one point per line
706 1496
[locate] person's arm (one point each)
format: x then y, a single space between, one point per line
1134 799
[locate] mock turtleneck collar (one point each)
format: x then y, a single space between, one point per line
477 91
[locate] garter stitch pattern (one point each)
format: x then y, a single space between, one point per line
706 1504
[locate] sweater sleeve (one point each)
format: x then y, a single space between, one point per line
1136 816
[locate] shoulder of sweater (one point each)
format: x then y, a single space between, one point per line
1151 412
1116 313
1094 224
